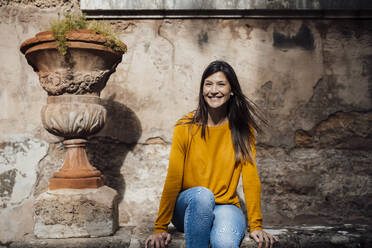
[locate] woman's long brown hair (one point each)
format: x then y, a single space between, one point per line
242 113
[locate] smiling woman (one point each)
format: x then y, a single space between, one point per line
211 148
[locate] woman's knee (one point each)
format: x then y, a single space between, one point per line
203 197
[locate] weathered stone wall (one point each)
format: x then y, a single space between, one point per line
312 78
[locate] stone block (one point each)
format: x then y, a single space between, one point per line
67 213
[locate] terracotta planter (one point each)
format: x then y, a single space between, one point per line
73 110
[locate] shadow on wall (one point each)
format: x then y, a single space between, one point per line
108 149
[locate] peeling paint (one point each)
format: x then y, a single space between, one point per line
202 38
351 130
7 181
18 159
303 39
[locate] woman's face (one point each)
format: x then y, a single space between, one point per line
216 90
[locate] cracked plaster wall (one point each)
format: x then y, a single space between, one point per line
312 78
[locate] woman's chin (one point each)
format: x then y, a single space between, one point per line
214 106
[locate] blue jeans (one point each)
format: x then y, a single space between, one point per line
205 222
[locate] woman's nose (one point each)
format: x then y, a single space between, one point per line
214 89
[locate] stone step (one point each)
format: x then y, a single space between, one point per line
345 236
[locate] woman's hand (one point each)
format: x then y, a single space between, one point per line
158 240
260 236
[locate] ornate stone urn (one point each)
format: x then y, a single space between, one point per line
76 205
73 110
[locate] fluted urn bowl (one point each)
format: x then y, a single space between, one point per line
73 111
71 116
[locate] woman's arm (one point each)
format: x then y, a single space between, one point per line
252 192
173 181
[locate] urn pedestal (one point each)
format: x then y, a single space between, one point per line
73 111
74 117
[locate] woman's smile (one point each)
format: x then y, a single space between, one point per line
215 98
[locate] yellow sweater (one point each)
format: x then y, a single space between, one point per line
210 163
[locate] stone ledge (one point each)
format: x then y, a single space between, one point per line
144 9
222 4
346 236
229 14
